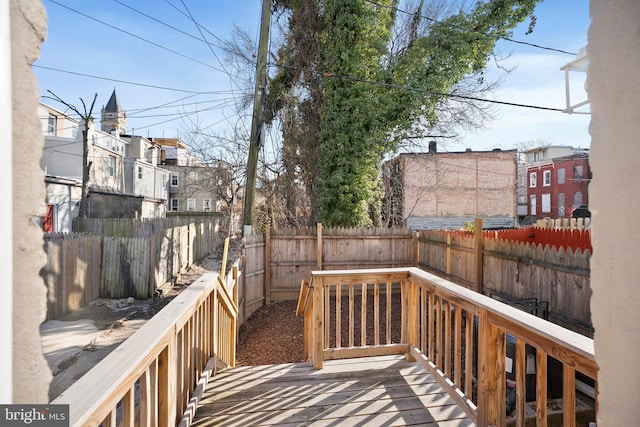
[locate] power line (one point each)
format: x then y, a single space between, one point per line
183 13
449 95
199 27
494 36
430 92
137 37
125 81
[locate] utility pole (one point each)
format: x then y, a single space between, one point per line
86 164
256 124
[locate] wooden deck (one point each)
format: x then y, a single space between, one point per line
377 391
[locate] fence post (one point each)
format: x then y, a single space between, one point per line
478 255
412 322
491 373
319 246
318 322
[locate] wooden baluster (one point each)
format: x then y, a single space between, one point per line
128 407
432 326
569 396
457 365
424 310
363 315
376 313
338 315
541 388
388 299
327 311
521 383
438 349
468 356
351 314
447 339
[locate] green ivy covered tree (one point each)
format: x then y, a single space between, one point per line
365 79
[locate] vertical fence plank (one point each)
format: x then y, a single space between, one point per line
478 256
267 266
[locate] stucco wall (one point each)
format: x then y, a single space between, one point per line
614 92
31 374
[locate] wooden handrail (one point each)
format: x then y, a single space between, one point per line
439 322
156 371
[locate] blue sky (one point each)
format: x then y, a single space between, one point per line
80 44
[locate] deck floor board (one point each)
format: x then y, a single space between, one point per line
373 391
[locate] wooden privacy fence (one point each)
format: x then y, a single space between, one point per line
565 223
531 268
82 267
543 271
72 273
461 337
277 261
156 377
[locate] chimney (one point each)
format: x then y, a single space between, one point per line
433 147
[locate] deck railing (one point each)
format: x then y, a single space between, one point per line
156 376
460 336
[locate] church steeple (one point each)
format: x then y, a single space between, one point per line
113 117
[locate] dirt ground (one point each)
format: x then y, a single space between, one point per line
271 335
102 326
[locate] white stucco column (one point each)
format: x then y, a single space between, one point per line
30 372
6 309
614 92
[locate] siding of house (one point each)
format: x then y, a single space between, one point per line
444 190
566 189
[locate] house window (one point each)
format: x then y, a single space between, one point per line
577 173
546 203
533 177
174 179
562 211
191 204
522 200
206 205
193 177
546 178
175 205
51 124
577 199
111 166
532 205
139 172
561 174
522 181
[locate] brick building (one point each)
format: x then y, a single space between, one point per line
444 190
558 186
